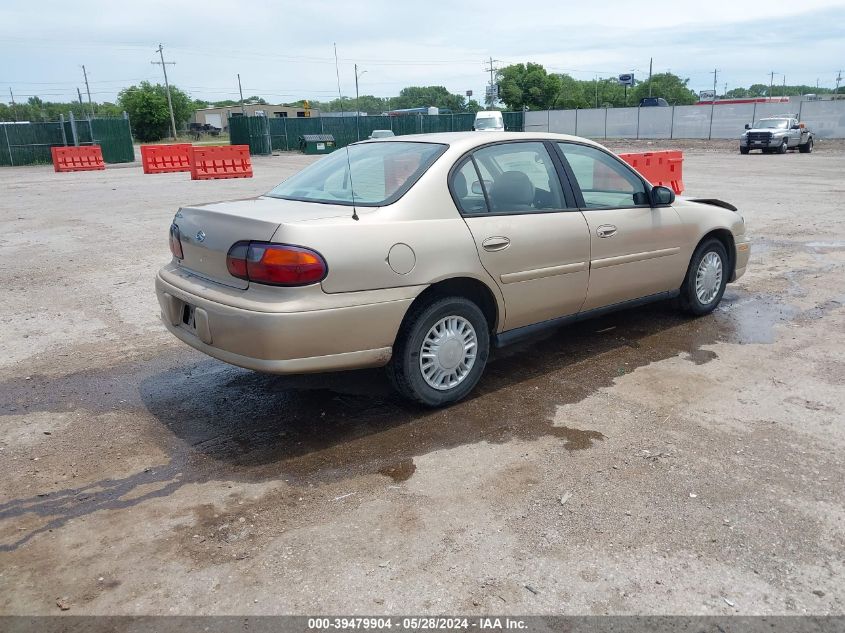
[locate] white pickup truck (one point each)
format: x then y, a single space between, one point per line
776 135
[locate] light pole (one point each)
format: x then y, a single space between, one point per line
357 110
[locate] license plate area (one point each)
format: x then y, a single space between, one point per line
189 317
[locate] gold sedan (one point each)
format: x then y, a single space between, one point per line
420 252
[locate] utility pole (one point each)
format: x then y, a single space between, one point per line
15 113
838 79
87 88
650 62
492 69
713 103
784 86
163 64
597 92
357 109
79 94
241 90
771 84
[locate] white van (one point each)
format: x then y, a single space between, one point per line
489 121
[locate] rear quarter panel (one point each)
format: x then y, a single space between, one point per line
425 220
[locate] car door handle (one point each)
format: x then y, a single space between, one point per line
606 230
497 243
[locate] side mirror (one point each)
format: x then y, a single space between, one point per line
476 187
796 127
747 126
661 196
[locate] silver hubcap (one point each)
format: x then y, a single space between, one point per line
448 352
708 278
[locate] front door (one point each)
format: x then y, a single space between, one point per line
532 241
635 249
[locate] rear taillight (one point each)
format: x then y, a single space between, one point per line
275 264
175 242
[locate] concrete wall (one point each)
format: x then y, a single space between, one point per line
825 118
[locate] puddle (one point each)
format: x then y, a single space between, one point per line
576 439
400 471
702 356
826 247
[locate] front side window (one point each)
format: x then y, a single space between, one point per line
604 182
370 174
518 177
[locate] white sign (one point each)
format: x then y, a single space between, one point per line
493 90
707 95
626 79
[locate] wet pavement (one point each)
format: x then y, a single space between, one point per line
703 454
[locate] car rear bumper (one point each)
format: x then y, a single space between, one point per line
326 339
742 252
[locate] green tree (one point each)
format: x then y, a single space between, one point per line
427 97
148 111
665 85
529 85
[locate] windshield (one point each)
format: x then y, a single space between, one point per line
771 124
381 173
486 123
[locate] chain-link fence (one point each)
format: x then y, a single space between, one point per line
29 143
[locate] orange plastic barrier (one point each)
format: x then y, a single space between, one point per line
85 158
659 168
220 161
160 159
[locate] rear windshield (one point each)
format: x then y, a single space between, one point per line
486 123
370 174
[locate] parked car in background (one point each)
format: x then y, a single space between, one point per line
381 134
649 102
776 135
489 121
419 253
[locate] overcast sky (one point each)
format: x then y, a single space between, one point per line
284 51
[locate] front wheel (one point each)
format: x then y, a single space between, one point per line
440 352
783 147
807 147
743 150
706 278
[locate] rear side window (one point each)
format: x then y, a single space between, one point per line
604 182
369 175
468 190
516 178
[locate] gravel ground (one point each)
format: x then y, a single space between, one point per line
641 463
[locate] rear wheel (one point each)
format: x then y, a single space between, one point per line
706 278
440 352
807 147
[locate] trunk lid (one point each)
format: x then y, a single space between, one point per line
208 231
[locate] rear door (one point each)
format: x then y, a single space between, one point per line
635 249
530 236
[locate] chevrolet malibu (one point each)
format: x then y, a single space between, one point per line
419 253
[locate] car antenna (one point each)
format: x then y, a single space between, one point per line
342 117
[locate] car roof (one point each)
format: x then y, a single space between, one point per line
465 141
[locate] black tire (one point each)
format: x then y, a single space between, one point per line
783 147
404 370
807 147
689 299
743 150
